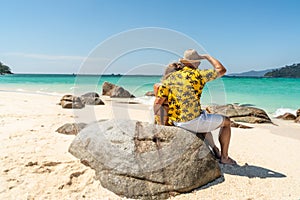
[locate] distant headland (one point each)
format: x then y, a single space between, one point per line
289 71
4 69
292 71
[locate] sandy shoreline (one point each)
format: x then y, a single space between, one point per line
35 163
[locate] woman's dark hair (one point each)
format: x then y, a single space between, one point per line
173 67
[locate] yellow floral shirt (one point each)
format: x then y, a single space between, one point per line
183 90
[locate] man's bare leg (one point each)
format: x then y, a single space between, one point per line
224 139
209 138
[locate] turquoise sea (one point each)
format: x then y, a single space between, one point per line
275 95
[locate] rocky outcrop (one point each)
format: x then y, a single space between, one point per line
237 125
241 113
145 161
290 116
297 120
150 93
71 128
113 90
70 101
91 98
287 116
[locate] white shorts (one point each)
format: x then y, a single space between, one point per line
202 124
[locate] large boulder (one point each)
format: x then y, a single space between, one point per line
113 90
70 101
146 161
241 113
91 98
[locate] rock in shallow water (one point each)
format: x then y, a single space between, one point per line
287 116
113 90
141 160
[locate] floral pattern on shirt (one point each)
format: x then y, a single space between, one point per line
183 90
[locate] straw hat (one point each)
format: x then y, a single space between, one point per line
191 56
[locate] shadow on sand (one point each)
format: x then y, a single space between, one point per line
250 171
246 170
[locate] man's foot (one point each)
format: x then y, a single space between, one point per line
216 152
228 161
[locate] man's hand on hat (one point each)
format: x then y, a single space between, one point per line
204 56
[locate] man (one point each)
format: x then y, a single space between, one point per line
183 89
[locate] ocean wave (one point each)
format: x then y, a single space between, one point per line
49 93
74 87
31 92
147 100
20 90
282 111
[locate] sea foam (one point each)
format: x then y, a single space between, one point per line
147 100
282 111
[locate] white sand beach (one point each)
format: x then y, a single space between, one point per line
36 164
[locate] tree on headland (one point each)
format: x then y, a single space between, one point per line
4 69
292 71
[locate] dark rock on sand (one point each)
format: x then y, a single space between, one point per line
91 98
287 116
298 113
113 90
237 125
297 120
150 93
146 161
241 113
70 101
71 128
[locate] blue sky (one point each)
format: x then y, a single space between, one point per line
57 36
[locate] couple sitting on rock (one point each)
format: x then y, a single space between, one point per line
181 88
